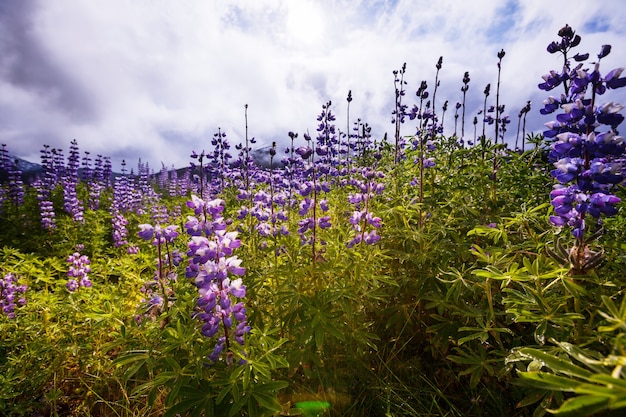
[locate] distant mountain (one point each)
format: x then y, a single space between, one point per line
261 157
29 169
25 166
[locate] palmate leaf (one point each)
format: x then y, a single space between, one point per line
481 333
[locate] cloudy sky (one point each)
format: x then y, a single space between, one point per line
155 79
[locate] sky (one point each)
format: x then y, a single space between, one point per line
155 79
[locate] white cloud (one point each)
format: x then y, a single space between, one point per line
155 79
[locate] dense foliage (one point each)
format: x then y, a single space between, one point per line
428 274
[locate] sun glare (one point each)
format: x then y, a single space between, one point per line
305 22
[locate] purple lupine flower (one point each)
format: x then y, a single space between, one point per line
305 206
305 152
78 272
15 192
588 163
146 231
47 215
324 222
584 162
160 296
160 234
215 272
371 237
362 219
120 233
11 295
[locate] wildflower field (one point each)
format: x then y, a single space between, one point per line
429 273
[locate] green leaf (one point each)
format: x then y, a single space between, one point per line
271 386
531 398
184 406
548 381
609 380
267 401
573 288
235 408
131 357
555 364
225 391
598 390
585 357
173 363
583 405
461 360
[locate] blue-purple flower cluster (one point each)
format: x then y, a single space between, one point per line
122 199
14 192
216 271
363 222
71 204
44 187
158 234
78 272
586 172
588 163
11 295
159 296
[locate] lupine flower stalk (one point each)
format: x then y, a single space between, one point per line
466 80
486 92
161 237
71 204
85 165
457 106
107 171
400 109
58 163
4 168
498 110
216 273
438 67
326 133
444 109
78 271
11 295
97 184
16 185
200 177
349 100
588 162
122 198
44 187
424 138
220 161
363 222
291 163
14 191
522 114
475 123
